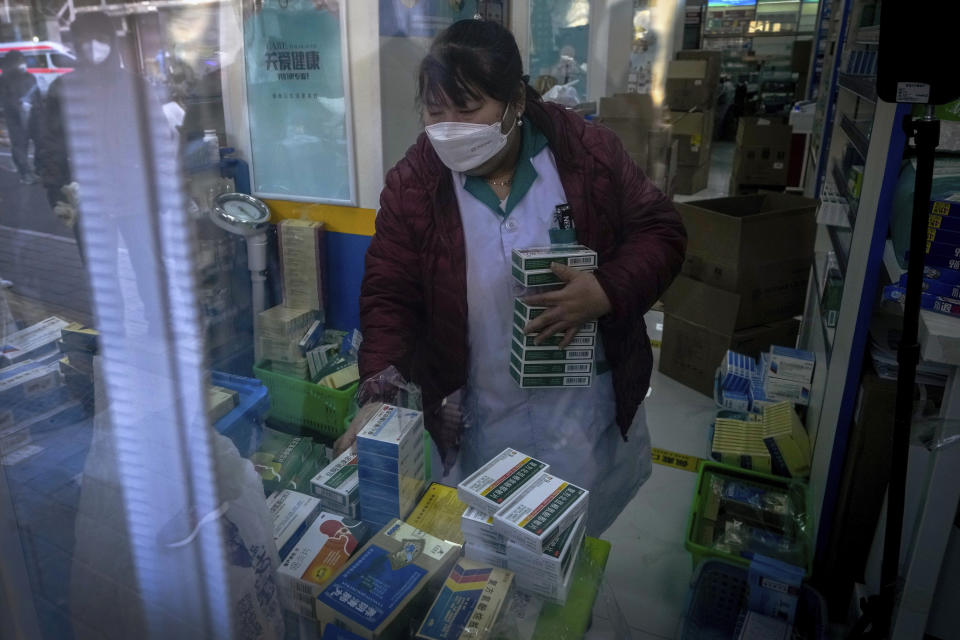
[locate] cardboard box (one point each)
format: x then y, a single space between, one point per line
542 258
763 151
693 133
628 105
758 246
689 85
338 484
550 381
700 325
292 514
496 482
479 552
384 587
32 342
690 180
469 603
544 506
321 551
712 58
439 512
477 526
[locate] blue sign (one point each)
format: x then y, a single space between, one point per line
297 103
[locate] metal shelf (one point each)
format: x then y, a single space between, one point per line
820 271
857 137
840 182
868 35
863 86
840 239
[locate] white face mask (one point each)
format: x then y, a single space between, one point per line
463 146
96 51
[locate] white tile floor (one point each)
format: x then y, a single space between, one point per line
649 570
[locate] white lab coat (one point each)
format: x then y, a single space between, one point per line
574 430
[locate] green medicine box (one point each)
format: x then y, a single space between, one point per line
540 258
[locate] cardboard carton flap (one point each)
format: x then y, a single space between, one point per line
627 105
687 70
769 204
702 305
686 123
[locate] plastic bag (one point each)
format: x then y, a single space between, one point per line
247 532
563 94
391 387
107 604
750 519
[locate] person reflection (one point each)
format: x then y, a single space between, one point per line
104 94
18 91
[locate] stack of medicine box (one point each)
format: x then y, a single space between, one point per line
782 375
338 486
542 366
522 518
30 380
392 464
303 261
774 442
78 345
941 262
787 375
736 374
279 331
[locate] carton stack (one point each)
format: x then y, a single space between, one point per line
279 458
941 262
302 258
693 80
544 366
392 465
773 442
644 133
78 345
279 332
742 283
31 384
522 518
761 161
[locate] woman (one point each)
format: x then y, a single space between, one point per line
437 296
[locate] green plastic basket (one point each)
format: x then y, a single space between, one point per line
708 470
306 404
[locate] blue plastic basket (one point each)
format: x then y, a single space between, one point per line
718 593
244 423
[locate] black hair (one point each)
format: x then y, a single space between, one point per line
94 25
11 60
474 57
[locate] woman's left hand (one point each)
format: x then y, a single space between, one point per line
580 301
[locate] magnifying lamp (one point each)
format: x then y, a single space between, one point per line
248 217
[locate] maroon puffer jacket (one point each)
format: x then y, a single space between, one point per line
413 301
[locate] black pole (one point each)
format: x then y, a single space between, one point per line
878 611
926 133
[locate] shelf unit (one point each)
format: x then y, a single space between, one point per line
855 127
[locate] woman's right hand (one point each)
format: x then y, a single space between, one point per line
363 416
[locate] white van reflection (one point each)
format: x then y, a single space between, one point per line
46 61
